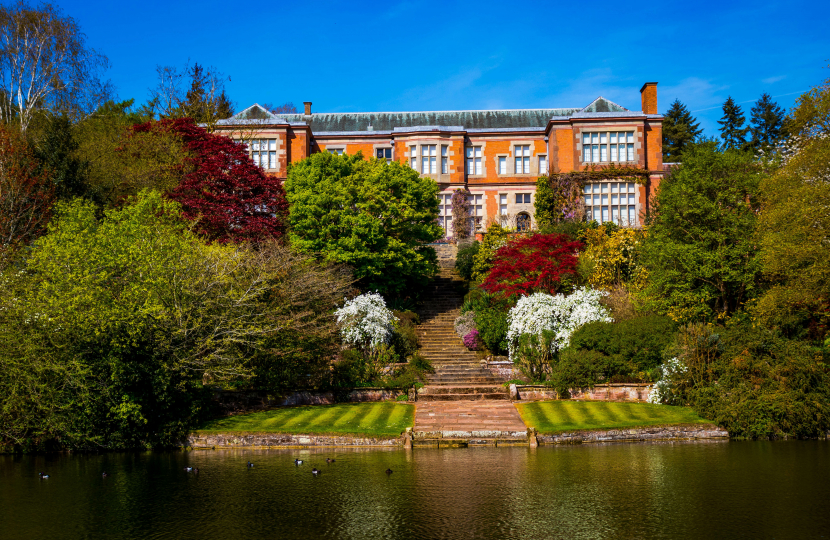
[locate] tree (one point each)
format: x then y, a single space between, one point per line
57 152
701 252
204 101
731 130
286 108
26 194
794 226
811 115
46 65
111 328
118 165
220 188
680 129
373 216
767 121
537 263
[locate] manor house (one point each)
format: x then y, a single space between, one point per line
497 155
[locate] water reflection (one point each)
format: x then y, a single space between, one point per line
680 490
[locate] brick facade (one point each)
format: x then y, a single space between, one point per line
557 135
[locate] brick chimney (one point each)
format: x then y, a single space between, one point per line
648 97
307 108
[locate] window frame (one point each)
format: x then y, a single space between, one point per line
602 146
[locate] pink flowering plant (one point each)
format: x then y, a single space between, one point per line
472 341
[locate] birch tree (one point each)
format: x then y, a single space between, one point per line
45 64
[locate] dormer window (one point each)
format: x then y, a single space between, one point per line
607 146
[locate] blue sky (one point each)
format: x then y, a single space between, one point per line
412 55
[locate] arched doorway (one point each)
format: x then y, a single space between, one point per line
523 222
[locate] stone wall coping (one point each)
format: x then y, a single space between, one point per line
602 385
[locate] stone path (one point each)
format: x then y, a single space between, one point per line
467 416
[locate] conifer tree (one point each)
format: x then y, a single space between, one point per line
679 130
767 123
732 131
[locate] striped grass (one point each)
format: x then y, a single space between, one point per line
376 419
559 416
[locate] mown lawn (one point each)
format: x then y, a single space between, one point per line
558 416
384 419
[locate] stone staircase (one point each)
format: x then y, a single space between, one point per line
458 372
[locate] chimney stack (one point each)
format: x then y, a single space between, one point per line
307 108
648 97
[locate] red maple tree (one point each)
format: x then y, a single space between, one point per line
231 198
26 195
536 263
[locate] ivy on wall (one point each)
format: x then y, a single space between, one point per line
559 196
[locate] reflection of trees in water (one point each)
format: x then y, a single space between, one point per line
670 490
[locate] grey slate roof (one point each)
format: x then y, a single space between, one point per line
386 121
397 122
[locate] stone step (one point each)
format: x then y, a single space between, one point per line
495 396
468 389
468 442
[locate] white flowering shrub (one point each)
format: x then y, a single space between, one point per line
663 390
366 322
559 314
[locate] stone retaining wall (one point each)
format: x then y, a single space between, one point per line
656 433
603 392
284 440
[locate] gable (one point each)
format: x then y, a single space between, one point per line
602 105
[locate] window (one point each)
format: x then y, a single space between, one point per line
335 151
611 201
445 163
428 165
384 153
522 198
413 157
445 212
522 156
476 211
503 205
474 160
543 165
502 165
608 146
264 153
523 222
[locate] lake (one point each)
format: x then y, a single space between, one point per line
649 490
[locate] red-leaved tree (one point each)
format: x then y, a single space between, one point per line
232 199
537 263
26 196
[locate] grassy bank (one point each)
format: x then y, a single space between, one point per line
558 416
377 419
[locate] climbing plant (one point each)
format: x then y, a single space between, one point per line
559 196
461 222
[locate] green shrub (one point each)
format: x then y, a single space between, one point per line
490 318
755 383
465 259
636 345
405 338
492 329
580 369
534 356
421 363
